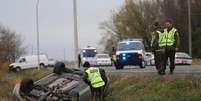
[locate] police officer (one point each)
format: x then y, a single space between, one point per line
114 57
79 60
157 49
96 79
171 44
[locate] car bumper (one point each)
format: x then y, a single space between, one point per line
104 63
130 62
183 61
11 68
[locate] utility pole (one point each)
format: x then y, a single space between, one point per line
64 54
189 28
31 49
75 30
37 31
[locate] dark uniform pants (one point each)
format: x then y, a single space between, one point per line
159 57
170 53
97 94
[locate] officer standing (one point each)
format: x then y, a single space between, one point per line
114 57
157 49
96 79
171 44
79 60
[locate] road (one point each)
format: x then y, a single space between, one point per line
179 69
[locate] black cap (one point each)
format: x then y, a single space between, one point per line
86 64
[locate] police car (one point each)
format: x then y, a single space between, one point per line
130 52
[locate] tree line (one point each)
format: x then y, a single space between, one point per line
135 18
11 45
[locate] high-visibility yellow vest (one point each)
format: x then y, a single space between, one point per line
114 58
94 77
161 40
166 38
170 36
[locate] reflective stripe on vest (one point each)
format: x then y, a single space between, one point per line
170 36
94 77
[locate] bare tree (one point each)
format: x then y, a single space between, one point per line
11 45
132 20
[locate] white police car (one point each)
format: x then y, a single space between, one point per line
130 52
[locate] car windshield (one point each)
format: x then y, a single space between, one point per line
182 54
130 46
89 53
102 56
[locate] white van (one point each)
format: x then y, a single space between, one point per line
88 54
27 62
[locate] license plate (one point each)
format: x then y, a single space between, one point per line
184 61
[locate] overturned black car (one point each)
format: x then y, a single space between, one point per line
62 85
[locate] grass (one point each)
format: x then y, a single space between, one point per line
155 88
9 79
142 87
196 61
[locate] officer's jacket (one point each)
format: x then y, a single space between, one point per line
155 39
95 77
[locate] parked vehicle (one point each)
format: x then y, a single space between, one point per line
149 58
26 62
130 52
62 85
52 62
103 60
183 58
88 54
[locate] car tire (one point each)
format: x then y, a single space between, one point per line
26 86
17 69
42 65
59 68
142 65
119 66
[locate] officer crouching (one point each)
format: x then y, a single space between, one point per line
96 79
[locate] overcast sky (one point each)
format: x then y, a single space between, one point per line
56 23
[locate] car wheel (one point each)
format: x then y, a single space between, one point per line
119 66
17 69
42 65
59 68
142 65
26 86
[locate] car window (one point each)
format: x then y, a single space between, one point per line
102 56
89 53
182 55
130 46
22 60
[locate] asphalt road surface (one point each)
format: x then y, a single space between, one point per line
179 69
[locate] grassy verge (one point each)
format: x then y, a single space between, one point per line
155 88
142 87
9 79
196 61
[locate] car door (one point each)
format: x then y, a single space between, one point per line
23 63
